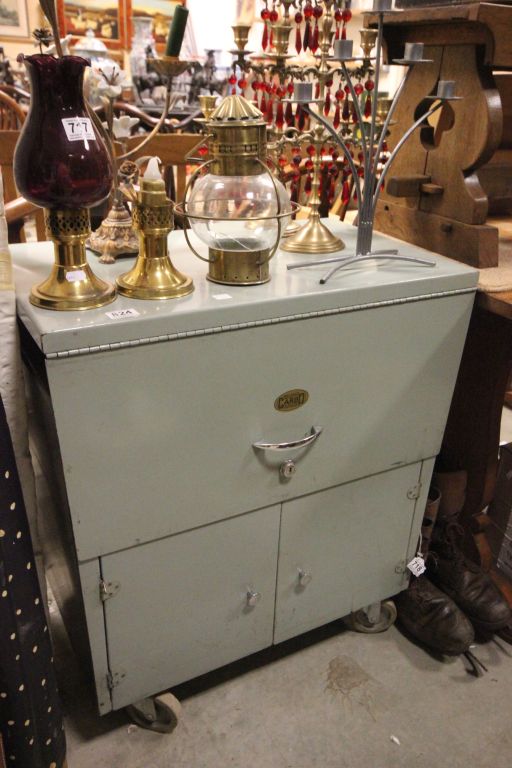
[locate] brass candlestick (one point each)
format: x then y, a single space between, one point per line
368 41
153 275
207 104
241 35
281 40
71 283
313 236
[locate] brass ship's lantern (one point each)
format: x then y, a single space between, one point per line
238 209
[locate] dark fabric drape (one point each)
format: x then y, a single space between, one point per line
30 712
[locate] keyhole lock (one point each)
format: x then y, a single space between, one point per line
288 468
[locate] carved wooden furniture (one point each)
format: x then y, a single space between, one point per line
436 194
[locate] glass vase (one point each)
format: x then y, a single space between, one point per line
62 165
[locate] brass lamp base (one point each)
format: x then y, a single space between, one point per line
313 237
72 285
115 236
293 227
154 278
239 267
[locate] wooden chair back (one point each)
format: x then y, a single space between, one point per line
8 141
173 150
12 114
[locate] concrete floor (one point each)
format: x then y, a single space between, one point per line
332 698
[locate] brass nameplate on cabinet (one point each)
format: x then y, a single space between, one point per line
291 400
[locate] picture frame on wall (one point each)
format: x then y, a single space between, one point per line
14 19
161 12
106 18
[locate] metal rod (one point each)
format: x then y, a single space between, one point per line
392 108
368 257
400 144
332 260
359 114
157 127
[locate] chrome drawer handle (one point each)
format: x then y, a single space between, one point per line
292 444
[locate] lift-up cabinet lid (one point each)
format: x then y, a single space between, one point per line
214 308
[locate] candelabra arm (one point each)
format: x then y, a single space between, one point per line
316 116
392 108
396 150
392 254
378 53
155 130
359 115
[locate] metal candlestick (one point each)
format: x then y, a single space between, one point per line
372 142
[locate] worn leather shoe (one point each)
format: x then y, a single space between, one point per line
466 583
433 619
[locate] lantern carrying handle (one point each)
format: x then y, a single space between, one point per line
182 210
273 251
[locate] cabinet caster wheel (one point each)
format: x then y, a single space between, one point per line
372 620
158 713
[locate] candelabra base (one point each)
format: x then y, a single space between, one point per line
115 236
313 237
345 261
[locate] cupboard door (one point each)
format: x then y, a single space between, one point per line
340 548
182 607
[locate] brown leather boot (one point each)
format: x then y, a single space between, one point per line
466 583
425 612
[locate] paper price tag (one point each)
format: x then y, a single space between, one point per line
417 566
78 129
121 314
76 276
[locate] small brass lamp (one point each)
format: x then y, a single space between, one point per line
238 209
153 275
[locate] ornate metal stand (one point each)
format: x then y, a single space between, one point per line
372 139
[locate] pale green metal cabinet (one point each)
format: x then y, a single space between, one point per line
173 545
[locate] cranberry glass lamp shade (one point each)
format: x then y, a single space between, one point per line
60 160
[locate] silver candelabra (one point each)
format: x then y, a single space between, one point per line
372 140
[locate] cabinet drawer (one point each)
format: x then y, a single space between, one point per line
348 541
164 438
182 610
